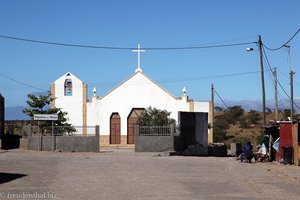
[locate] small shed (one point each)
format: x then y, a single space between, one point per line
286 143
296 143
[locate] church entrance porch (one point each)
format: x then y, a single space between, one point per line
115 129
105 142
132 120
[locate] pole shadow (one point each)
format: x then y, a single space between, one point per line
7 177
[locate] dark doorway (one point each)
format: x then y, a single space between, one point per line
115 129
132 120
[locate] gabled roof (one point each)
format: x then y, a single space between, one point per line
137 72
68 74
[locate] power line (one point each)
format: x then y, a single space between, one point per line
221 100
107 84
277 80
22 83
288 77
271 78
275 49
186 79
200 47
284 74
123 48
281 100
211 77
269 66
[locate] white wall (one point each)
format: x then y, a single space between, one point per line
71 104
137 92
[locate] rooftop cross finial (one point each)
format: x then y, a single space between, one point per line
138 50
184 91
94 91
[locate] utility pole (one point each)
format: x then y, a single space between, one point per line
276 95
291 82
212 111
262 81
292 93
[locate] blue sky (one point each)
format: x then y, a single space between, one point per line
155 23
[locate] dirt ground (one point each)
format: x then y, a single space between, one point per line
123 174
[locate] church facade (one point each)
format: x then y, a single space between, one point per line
118 111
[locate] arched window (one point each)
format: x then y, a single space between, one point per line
68 87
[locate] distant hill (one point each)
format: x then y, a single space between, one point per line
257 104
15 113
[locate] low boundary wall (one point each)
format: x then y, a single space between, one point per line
82 143
154 139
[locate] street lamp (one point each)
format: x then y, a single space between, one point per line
259 43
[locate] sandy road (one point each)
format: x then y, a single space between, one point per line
128 175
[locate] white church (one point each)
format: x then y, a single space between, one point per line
118 111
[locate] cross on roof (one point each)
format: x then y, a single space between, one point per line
138 50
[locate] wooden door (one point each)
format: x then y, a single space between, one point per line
132 120
115 129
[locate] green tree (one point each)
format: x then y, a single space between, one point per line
155 117
41 105
234 114
253 117
287 113
244 122
220 126
250 119
37 104
218 109
268 110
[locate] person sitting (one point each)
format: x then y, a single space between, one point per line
262 153
248 151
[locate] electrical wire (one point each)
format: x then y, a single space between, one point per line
288 77
284 74
281 99
108 84
221 99
264 53
123 48
275 49
199 47
22 83
210 77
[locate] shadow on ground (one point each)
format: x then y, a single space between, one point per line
7 177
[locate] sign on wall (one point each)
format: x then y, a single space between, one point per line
47 117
